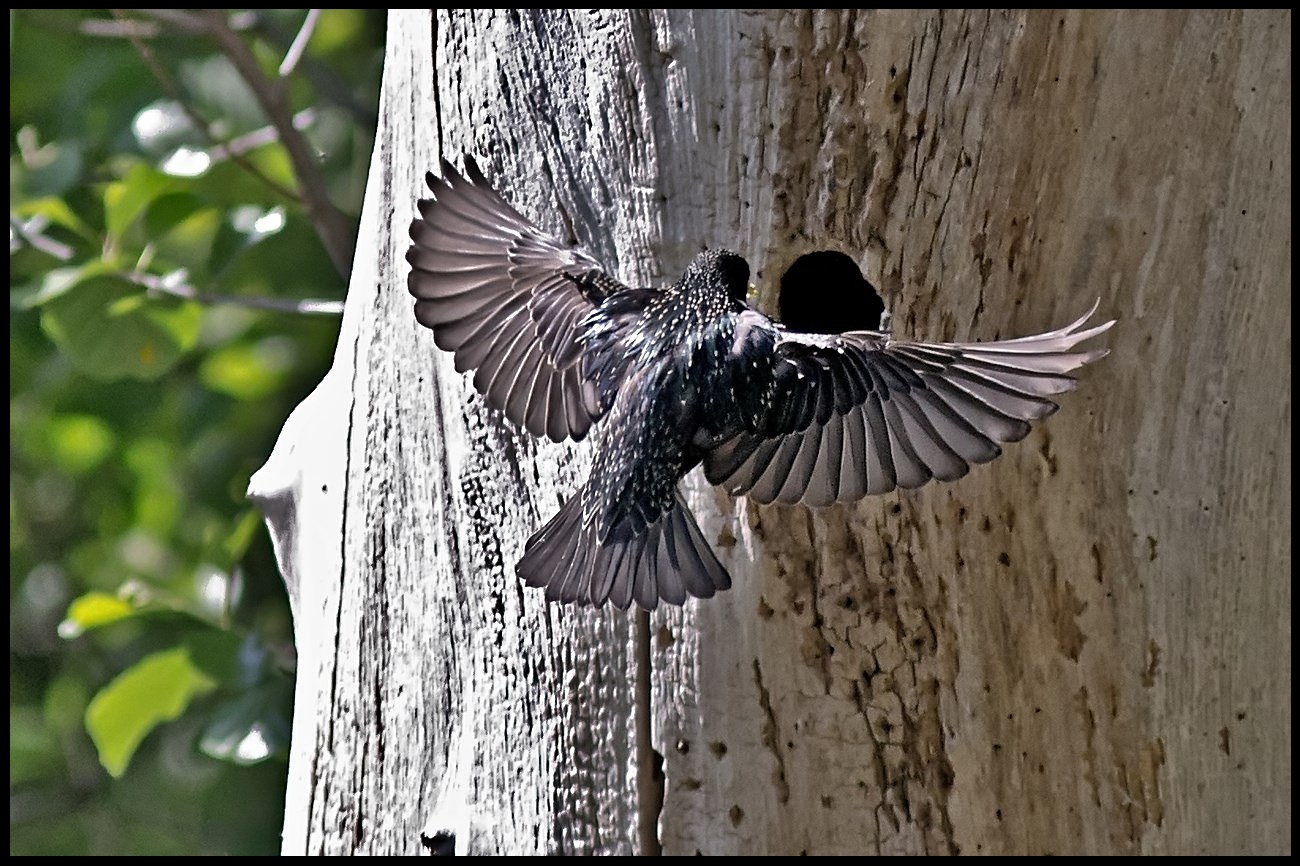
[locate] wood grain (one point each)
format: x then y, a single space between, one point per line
1082 647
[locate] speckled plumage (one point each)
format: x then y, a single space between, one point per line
690 374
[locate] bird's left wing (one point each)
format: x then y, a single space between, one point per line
509 301
860 413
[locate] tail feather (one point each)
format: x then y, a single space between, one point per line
705 575
655 575
674 559
606 574
668 561
620 586
560 536
567 585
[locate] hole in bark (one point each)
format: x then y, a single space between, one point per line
824 292
440 844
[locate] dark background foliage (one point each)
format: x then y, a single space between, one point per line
168 245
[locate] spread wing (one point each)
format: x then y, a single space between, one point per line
508 301
859 413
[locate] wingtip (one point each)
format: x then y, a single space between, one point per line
1095 331
1092 311
451 175
437 185
1082 320
473 172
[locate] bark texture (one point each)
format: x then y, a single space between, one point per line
1083 647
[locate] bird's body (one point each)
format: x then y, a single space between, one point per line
675 382
690 374
681 388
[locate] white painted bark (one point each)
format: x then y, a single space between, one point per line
1083 647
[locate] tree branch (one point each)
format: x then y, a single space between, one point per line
200 122
295 52
307 307
31 232
324 79
192 23
329 223
260 136
649 765
122 28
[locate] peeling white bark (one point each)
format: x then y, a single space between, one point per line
1083 647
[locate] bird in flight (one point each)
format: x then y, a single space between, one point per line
674 377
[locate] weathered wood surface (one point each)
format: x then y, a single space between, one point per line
1083 647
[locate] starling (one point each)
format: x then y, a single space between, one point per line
691 374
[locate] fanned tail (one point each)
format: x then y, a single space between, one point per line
667 561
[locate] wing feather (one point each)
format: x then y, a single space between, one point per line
505 298
859 413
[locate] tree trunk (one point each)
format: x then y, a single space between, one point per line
1083 647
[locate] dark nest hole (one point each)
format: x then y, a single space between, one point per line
824 292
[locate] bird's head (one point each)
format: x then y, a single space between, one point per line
721 268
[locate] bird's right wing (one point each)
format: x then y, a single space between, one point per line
859 413
509 301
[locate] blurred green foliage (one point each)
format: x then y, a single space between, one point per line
150 643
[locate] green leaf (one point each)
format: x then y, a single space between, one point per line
65 703
241 536
188 242
33 747
248 372
59 281
335 29
92 610
126 199
159 499
57 211
252 728
111 331
80 442
218 653
50 170
212 649
156 689
217 89
170 210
